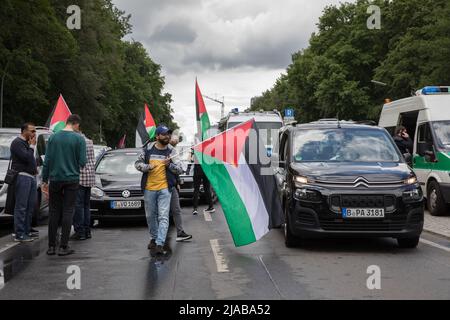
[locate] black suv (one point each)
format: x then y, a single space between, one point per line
342 179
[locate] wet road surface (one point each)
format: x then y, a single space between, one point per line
115 264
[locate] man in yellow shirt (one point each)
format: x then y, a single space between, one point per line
159 165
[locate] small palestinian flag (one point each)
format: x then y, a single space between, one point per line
59 115
146 128
203 123
121 144
248 197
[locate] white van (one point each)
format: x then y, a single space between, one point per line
426 117
268 124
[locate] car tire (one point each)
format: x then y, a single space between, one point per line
37 210
435 201
290 240
408 243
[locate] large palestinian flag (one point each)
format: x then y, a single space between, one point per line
249 198
146 127
59 115
203 123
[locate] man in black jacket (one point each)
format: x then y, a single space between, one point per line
24 162
403 141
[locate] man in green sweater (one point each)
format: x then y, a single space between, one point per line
66 154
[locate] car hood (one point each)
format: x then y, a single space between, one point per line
372 172
111 182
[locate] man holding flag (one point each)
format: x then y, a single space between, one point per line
159 166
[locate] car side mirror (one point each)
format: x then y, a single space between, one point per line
408 158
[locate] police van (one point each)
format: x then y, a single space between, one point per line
426 116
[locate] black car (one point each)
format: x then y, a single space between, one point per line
341 179
117 194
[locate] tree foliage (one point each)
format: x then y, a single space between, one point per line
103 77
332 77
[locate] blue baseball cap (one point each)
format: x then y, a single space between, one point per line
163 130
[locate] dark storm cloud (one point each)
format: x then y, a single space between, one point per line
174 32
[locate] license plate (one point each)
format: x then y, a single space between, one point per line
362 213
126 204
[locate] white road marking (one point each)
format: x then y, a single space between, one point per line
218 256
433 244
8 246
207 216
2 276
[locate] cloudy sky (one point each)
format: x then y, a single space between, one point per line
236 48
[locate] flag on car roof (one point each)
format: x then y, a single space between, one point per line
59 115
146 127
247 195
203 123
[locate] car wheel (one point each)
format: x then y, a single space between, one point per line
408 243
435 200
37 210
290 240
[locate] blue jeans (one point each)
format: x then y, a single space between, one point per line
157 208
82 216
26 197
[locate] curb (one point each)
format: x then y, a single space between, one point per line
15 256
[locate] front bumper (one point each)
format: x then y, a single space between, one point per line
321 220
101 209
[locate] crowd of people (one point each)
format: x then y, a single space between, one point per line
69 174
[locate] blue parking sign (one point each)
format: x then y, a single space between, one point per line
289 113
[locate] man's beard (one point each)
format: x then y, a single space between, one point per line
164 142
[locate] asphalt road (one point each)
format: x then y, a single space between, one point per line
116 264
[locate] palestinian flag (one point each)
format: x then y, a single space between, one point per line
146 127
248 197
203 123
59 115
121 144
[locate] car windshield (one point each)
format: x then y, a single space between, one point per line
5 144
118 164
344 145
442 132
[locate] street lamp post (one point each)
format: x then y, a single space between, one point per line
1 93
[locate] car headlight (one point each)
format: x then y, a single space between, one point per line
97 193
411 180
413 195
303 194
301 180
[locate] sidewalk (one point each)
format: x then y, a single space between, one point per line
437 225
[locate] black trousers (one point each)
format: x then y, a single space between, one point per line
199 178
62 200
